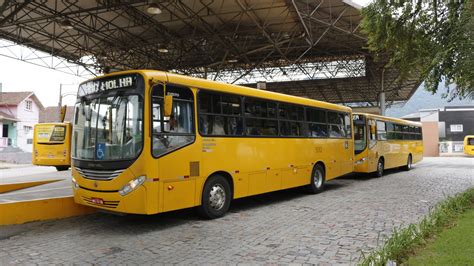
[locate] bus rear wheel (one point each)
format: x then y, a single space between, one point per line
317 180
409 163
216 197
380 168
62 168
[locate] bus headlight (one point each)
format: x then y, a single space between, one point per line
132 185
75 185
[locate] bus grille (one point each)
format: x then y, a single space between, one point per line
99 174
111 204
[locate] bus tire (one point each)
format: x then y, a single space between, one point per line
409 163
62 168
380 168
216 197
317 180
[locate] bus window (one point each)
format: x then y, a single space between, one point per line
347 126
317 123
372 134
381 132
290 116
336 125
176 131
219 114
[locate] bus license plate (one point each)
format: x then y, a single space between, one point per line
97 201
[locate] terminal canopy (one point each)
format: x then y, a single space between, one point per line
309 48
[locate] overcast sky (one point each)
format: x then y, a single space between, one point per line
16 75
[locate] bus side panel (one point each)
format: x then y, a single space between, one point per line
374 153
362 167
178 183
388 150
267 164
418 151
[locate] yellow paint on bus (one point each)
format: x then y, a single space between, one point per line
221 142
383 142
469 145
52 145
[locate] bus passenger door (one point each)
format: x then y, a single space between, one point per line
373 153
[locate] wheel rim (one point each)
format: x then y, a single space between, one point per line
217 197
409 162
380 167
317 178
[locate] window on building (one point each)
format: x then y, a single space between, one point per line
29 105
29 141
456 128
27 129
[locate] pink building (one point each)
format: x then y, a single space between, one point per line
19 112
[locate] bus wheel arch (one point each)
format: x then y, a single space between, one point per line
216 195
318 178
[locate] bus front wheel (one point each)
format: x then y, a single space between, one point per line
317 180
380 168
216 196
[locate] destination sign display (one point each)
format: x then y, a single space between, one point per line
118 82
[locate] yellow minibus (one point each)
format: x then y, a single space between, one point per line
469 145
382 142
52 145
147 142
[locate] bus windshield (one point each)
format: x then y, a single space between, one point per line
108 127
470 141
360 134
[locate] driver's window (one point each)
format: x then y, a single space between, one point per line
372 133
177 130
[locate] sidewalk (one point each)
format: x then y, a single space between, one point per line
5 165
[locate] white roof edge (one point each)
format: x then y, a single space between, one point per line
353 4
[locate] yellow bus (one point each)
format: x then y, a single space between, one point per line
469 145
382 143
52 145
147 142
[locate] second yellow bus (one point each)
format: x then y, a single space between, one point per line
52 145
382 142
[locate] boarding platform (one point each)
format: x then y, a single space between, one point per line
34 193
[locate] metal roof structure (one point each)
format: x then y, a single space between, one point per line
310 48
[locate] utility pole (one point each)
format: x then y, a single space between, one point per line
60 103
382 95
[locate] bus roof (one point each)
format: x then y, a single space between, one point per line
230 88
390 119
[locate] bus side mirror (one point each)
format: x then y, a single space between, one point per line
168 108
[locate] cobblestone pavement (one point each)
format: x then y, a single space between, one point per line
353 214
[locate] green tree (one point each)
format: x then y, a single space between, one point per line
430 40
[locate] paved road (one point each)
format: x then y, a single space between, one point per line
354 214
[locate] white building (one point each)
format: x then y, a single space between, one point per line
19 112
